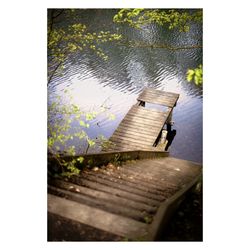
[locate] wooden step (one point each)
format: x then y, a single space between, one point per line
112 198
113 190
109 206
121 186
141 194
136 185
96 218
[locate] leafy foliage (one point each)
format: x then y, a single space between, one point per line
171 18
63 42
195 75
62 133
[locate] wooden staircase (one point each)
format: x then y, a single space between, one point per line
132 201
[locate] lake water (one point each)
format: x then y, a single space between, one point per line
118 81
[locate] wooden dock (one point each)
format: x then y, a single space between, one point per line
141 127
128 192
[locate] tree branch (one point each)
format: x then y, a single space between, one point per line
53 73
160 46
52 21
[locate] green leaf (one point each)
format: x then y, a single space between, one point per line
195 75
89 116
80 159
51 142
91 142
190 74
82 123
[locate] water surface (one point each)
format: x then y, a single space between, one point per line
118 81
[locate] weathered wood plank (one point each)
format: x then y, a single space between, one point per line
123 148
154 95
144 120
139 110
161 92
126 130
168 167
126 182
159 97
99 203
123 187
126 140
139 137
135 136
97 218
172 174
153 111
111 189
149 112
128 146
111 198
132 177
147 117
183 163
135 131
147 177
118 138
158 100
141 126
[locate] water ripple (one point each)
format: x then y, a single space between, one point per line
129 69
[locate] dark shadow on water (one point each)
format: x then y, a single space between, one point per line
170 136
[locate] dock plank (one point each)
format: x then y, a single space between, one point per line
131 142
135 131
142 109
141 137
137 126
161 93
145 119
142 124
157 100
159 97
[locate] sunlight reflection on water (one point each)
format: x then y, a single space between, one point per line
117 82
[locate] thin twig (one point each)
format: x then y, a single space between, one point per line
162 46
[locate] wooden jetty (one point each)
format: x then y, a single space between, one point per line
129 192
141 127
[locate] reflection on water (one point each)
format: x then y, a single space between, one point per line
118 81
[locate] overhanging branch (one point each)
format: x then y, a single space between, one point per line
160 46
